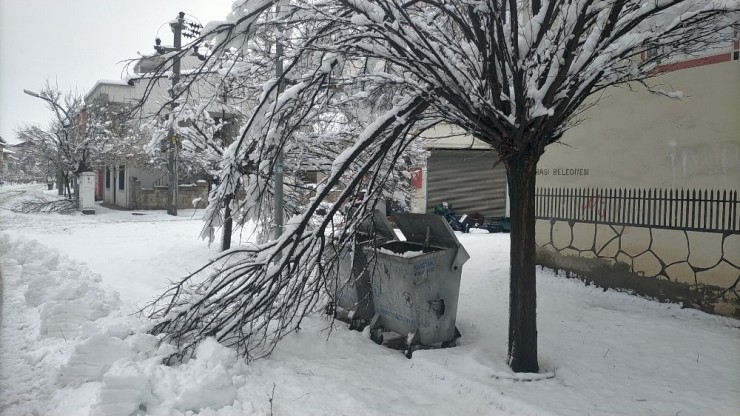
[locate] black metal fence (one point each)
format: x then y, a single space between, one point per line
695 210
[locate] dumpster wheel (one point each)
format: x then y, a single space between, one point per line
376 331
449 344
357 324
453 342
330 309
377 335
410 350
412 343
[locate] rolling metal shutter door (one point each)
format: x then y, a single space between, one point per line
467 180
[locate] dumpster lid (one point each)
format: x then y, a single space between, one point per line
379 225
414 227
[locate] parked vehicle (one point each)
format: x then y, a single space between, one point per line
445 210
466 222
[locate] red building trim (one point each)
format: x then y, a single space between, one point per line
99 192
693 63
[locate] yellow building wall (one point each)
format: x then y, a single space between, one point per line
632 138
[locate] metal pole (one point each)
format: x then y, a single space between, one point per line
172 154
279 221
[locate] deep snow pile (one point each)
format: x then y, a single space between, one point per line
72 335
70 345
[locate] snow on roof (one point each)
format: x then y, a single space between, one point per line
147 64
450 137
105 83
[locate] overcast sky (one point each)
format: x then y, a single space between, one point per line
74 43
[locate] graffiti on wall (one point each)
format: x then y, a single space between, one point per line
697 160
595 204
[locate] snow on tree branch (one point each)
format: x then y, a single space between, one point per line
362 78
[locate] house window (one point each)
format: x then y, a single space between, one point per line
653 52
308 176
121 177
107 178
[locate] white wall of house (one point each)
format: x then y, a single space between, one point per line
109 185
148 177
115 91
8 159
123 92
118 91
115 191
118 193
122 187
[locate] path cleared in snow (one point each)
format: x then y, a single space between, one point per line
71 346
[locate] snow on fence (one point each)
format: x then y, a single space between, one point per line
691 210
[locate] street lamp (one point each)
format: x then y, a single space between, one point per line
32 94
66 121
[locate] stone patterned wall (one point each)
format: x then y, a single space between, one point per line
156 198
700 269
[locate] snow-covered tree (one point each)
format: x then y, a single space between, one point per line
27 169
204 128
112 134
80 136
514 74
60 144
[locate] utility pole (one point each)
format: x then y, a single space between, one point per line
278 221
177 26
172 155
180 27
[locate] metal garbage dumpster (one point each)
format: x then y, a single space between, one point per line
352 298
416 283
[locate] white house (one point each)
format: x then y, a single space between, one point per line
116 183
8 160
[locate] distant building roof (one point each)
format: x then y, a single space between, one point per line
102 83
22 145
148 64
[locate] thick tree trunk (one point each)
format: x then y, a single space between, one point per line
228 224
68 185
76 187
523 288
60 184
173 181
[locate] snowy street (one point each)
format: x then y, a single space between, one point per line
71 343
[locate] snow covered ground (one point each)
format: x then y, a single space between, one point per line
70 343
